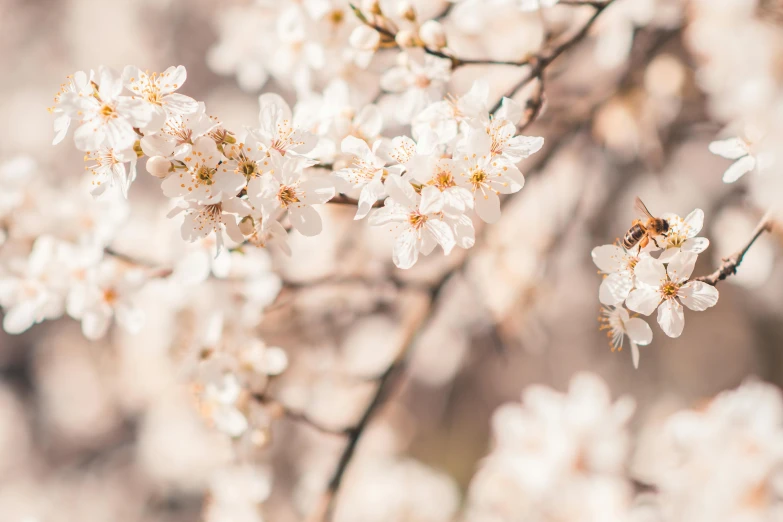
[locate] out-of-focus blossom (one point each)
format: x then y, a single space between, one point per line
556 456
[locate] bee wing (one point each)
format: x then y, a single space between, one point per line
642 209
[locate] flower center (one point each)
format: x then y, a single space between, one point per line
443 179
669 289
204 175
417 220
107 111
248 168
478 178
110 296
422 82
287 196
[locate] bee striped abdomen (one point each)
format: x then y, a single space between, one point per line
633 236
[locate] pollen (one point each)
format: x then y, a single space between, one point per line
417 220
478 178
669 289
287 196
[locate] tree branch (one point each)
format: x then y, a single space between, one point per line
731 263
541 61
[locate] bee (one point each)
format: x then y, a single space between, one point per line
642 232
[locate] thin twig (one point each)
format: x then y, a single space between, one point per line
731 263
387 382
542 60
298 416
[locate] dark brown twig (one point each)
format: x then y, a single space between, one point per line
731 263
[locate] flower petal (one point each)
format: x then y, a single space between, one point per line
696 245
615 288
694 221
638 331
431 200
681 266
488 206
649 271
739 168
698 296
306 220
732 148
608 258
671 318
643 300
405 253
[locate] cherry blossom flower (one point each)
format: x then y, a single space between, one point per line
157 92
106 292
276 130
283 189
108 118
486 175
618 266
573 443
246 160
220 405
419 222
108 166
420 78
619 325
665 286
366 41
266 232
502 129
366 173
441 173
681 235
445 117
79 84
202 180
236 492
35 292
202 219
179 133
746 156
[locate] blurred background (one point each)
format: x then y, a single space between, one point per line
116 430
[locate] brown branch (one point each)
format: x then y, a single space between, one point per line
580 3
342 199
730 264
541 61
387 382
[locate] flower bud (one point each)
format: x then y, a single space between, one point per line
371 6
158 166
406 11
247 225
432 34
406 38
365 38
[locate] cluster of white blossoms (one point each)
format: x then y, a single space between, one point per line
724 461
567 456
652 276
239 186
556 456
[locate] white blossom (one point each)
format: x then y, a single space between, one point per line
420 226
619 325
665 286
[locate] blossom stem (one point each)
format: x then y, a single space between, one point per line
730 264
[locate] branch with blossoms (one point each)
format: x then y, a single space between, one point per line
645 283
730 264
